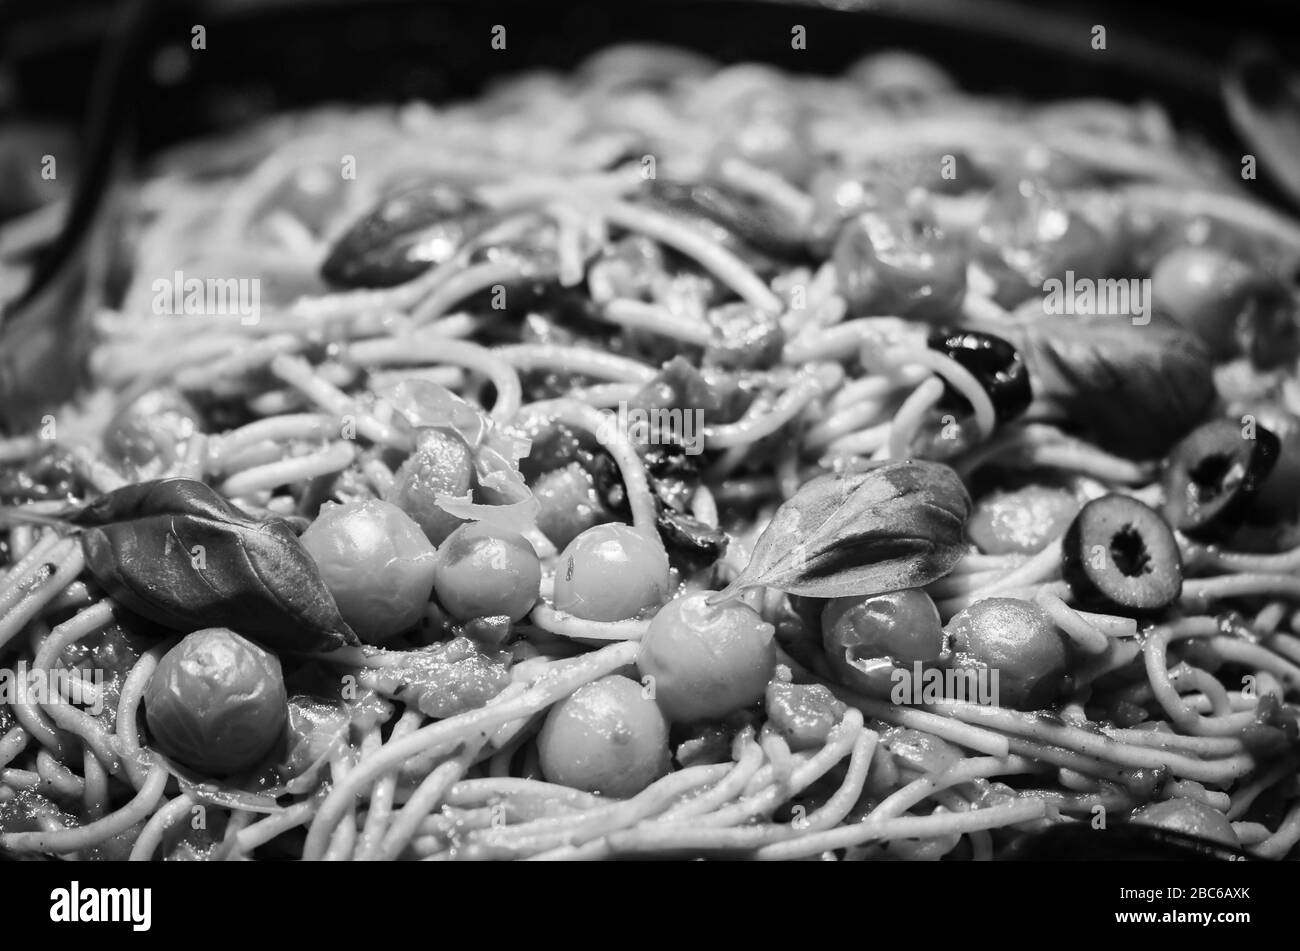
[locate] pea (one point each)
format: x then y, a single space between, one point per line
1018 640
608 737
611 573
216 703
707 660
376 562
484 571
902 625
1205 290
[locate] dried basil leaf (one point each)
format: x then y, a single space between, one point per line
176 552
897 525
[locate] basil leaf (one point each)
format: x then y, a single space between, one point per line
898 525
1137 389
176 552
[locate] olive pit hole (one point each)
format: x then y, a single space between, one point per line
1129 552
1210 472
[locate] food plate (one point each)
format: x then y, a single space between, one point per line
668 456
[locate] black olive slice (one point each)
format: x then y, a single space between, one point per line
403 236
994 362
1119 553
1210 477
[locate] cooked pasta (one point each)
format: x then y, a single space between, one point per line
667 463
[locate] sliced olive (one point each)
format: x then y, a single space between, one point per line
750 220
1211 476
994 362
690 541
1277 498
1119 553
702 209
403 236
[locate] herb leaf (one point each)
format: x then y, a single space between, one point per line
1138 389
898 525
176 552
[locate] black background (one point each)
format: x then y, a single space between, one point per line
265 54
912 905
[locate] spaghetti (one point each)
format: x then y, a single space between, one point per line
564 283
